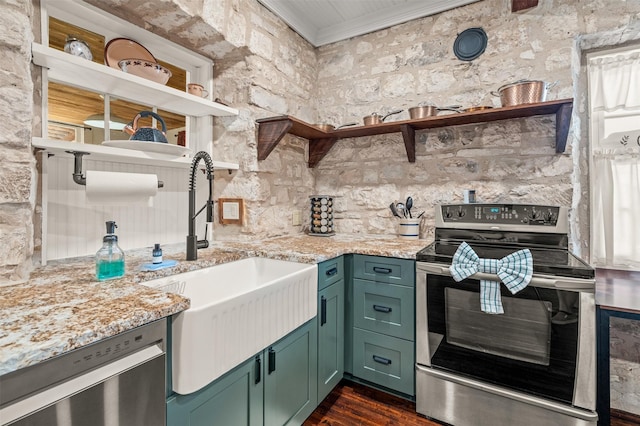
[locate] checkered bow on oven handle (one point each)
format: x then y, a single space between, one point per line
515 271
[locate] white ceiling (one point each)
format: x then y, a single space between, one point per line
326 21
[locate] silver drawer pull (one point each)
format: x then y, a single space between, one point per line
381 270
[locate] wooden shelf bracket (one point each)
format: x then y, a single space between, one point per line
409 137
563 120
269 135
318 148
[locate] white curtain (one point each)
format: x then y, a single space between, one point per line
616 239
614 85
615 82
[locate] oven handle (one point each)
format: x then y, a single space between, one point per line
558 283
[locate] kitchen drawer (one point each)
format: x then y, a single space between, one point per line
330 271
384 360
385 269
384 308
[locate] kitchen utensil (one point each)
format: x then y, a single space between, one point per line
470 44
376 118
78 47
477 108
331 127
394 210
146 69
197 90
400 207
424 111
523 92
409 205
420 215
149 134
123 48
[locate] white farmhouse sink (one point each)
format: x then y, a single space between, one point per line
237 310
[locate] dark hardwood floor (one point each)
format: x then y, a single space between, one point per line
352 404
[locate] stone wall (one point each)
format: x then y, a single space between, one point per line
505 161
263 69
17 174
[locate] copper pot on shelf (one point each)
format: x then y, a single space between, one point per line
429 110
376 118
477 108
330 127
523 92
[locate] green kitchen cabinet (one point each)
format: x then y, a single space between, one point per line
290 378
330 325
276 387
382 315
234 399
348 315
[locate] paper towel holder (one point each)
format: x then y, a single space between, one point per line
78 176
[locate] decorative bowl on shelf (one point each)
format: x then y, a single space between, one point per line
146 69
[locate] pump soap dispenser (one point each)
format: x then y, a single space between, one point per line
110 258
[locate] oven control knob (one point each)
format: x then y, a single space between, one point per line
461 212
549 216
534 215
448 214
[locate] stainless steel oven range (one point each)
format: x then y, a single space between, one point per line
533 364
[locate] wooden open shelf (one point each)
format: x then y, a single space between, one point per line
271 130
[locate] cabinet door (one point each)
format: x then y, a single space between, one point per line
234 399
291 374
330 338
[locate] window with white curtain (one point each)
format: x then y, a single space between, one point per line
614 102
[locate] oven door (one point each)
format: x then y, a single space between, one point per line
523 349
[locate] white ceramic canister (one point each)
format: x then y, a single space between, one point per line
409 229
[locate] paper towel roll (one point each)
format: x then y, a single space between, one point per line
115 188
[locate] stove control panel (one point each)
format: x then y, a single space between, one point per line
515 214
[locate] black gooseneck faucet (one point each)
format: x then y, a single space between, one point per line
193 244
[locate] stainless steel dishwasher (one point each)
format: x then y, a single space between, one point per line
119 381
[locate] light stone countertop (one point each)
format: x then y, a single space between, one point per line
63 307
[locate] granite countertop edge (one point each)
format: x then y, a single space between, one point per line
63 307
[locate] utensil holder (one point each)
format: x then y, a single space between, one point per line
409 229
321 215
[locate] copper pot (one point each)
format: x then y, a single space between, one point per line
523 92
424 111
330 127
477 108
376 118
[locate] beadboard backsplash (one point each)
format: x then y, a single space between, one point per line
75 227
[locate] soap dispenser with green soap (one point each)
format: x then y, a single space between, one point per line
110 258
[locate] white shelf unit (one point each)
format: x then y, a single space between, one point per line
78 72
130 156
